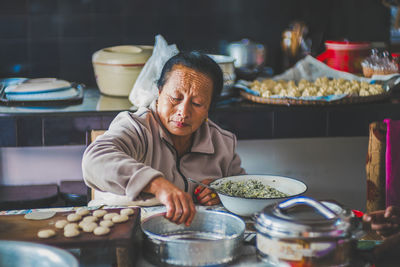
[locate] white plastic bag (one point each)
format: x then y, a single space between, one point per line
145 89
310 68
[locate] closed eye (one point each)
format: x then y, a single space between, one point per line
175 99
197 104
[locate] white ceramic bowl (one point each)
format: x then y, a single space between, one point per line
248 206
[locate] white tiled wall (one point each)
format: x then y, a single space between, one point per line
39 165
333 168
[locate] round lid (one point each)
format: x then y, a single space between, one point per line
304 217
38 85
346 45
221 59
123 55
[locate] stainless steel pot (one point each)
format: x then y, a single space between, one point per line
247 53
212 238
304 231
226 64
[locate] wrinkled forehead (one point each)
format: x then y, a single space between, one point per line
185 78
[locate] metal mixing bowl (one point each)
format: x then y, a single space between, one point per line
212 238
27 254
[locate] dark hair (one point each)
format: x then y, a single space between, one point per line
199 62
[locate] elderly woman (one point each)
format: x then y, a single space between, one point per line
155 149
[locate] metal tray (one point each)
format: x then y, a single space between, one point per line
43 100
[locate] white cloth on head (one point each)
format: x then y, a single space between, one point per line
145 90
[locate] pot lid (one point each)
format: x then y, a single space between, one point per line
304 217
221 59
246 43
123 55
39 85
347 45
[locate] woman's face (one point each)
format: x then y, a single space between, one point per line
184 100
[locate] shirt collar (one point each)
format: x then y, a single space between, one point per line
201 140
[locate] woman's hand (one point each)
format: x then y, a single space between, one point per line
206 196
384 222
179 204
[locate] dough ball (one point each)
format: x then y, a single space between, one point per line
109 216
127 211
89 227
74 217
82 223
101 230
46 233
71 232
120 218
61 223
71 226
90 219
99 213
82 211
39 215
106 223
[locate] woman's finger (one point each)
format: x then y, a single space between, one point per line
178 210
392 211
192 208
206 197
184 200
392 214
170 206
204 193
198 190
210 199
213 201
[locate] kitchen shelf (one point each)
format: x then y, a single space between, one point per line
67 125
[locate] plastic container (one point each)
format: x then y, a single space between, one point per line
379 63
117 68
345 56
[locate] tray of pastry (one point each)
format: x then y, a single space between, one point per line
322 91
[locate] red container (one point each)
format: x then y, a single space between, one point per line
345 56
396 58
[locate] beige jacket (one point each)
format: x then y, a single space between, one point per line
136 149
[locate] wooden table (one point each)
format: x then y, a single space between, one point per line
121 237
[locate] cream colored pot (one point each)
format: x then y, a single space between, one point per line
117 68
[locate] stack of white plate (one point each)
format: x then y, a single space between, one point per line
23 89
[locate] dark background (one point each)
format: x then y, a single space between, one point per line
56 38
